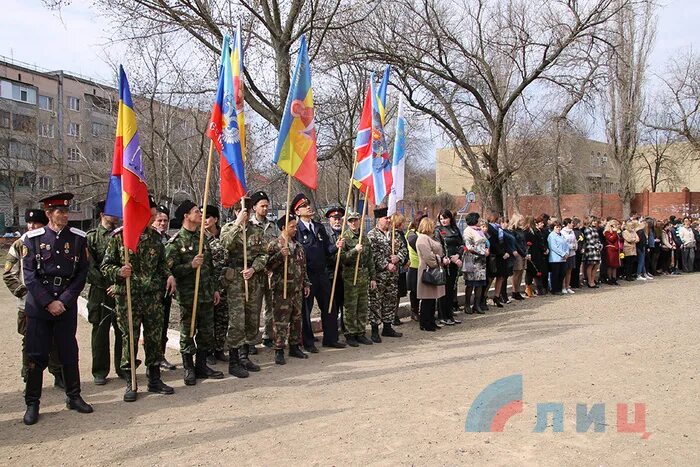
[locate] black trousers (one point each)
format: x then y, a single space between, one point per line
321 293
630 266
427 313
167 303
576 272
41 334
447 301
558 271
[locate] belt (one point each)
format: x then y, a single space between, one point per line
56 281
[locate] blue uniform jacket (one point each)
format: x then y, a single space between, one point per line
317 247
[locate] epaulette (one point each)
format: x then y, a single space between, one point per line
36 232
172 239
116 231
78 231
23 236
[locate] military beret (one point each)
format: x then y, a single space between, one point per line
35 215
210 211
353 215
335 211
299 199
99 208
184 207
380 212
57 200
282 221
258 196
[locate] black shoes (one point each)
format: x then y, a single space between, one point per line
351 341
31 415
268 343
245 361
220 356
517 296
188 367
336 345
362 339
397 321
58 381
311 348
295 351
279 357
388 331
99 380
78 404
155 384
166 365
375 334
130 392
235 366
202 371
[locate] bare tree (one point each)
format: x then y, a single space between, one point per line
663 159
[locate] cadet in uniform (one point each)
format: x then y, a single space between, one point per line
335 225
160 224
100 305
14 280
384 300
313 238
183 260
356 296
55 266
219 258
150 279
287 312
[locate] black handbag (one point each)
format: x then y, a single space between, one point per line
435 276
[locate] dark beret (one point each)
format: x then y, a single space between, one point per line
282 221
211 211
35 215
184 207
258 196
164 209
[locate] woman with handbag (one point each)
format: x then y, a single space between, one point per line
449 236
431 273
476 252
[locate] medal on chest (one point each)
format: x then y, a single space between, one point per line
66 248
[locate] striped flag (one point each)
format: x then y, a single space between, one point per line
237 68
398 162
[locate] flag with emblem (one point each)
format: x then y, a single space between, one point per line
224 132
398 162
373 170
127 194
295 153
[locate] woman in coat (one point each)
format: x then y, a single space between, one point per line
630 237
612 250
537 251
517 227
449 236
412 274
476 252
591 250
558 253
430 254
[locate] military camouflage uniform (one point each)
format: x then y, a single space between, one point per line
356 296
219 257
384 300
14 280
180 251
244 316
271 232
148 277
287 312
101 307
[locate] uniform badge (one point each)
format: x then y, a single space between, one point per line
66 248
190 248
8 266
42 246
183 249
25 251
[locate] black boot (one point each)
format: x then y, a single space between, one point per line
130 392
155 384
201 370
296 352
397 321
235 367
32 393
268 343
58 380
350 340
478 296
482 303
252 350
71 377
362 339
211 359
497 301
166 365
279 357
188 367
375 334
388 331
245 361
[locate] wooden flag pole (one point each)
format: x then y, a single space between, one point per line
245 250
201 239
362 230
342 231
130 322
286 239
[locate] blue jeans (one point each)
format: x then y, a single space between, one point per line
641 263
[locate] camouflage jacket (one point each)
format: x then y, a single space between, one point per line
257 241
97 241
296 269
381 250
349 254
149 272
219 258
180 251
12 275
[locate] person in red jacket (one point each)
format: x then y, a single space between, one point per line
613 248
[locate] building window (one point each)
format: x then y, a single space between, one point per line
4 119
19 150
23 94
99 154
74 129
46 130
74 180
99 129
45 183
74 103
45 102
23 123
75 207
73 155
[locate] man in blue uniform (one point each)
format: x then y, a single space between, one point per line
318 247
55 264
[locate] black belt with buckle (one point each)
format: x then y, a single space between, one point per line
57 281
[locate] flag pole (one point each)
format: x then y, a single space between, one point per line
286 240
130 321
245 250
362 230
201 239
342 231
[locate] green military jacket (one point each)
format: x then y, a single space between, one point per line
149 270
349 255
12 275
256 240
97 241
219 258
179 252
297 277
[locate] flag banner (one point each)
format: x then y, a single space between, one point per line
381 94
295 153
224 133
237 68
398 162
127 195
373 165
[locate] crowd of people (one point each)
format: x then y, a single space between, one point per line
283 272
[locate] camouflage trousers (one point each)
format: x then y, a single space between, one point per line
356 302
244 316
268 311
55 367
221 323
287 318
147 314
203 338
103 316
384 300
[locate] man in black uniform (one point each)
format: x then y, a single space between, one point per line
317 246
335 216
55 264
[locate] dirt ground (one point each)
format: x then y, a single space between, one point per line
402 402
